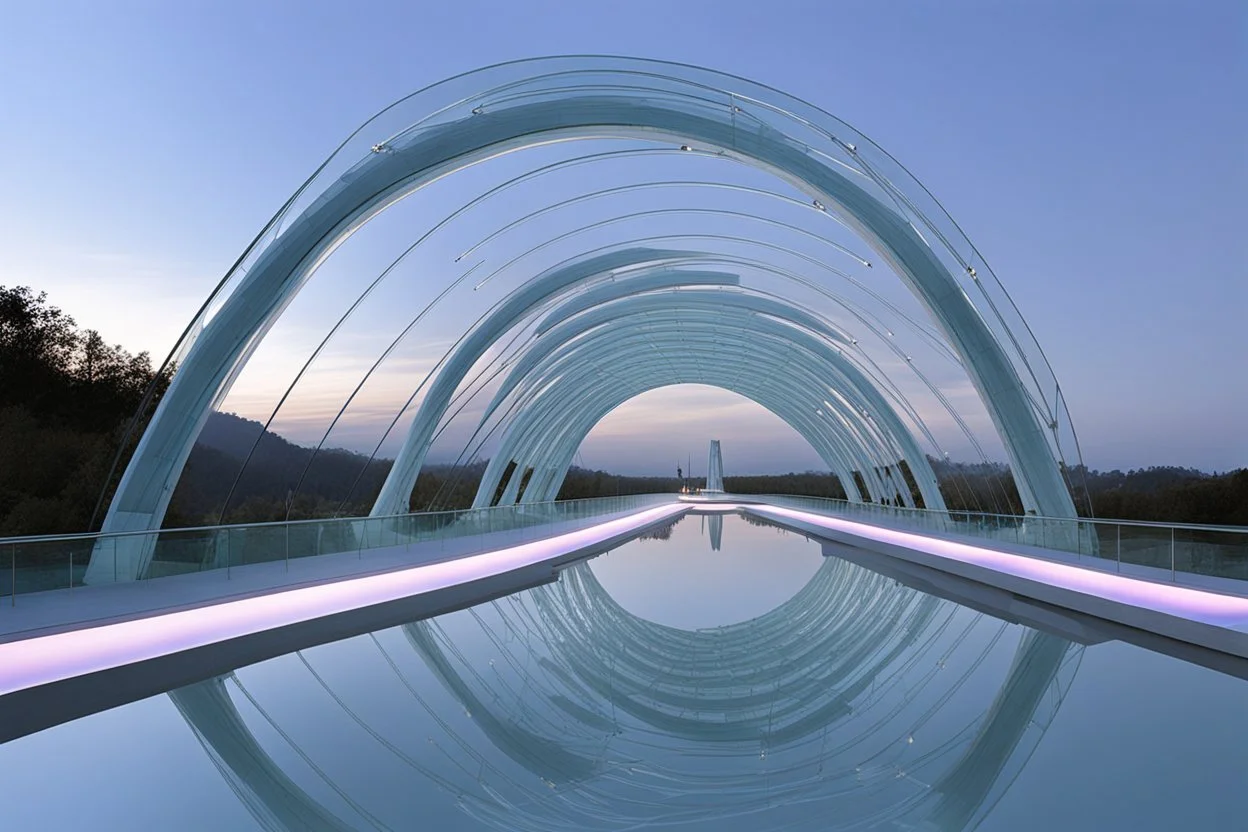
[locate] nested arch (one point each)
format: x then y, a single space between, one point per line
791 362
655 286
769 366
503 109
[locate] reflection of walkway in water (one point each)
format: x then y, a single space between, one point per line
857 699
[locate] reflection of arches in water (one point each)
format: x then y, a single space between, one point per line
855 699
268 792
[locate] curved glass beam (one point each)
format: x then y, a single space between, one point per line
794 398
561 440
395 492
835 448
844 450
623 189
474 203
868 366
609 306
781 354
506 316
866 319
707 302
930 337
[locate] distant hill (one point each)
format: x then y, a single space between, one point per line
325 483
233 435
329 483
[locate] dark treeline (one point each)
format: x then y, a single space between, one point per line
970 487
807 483
1164 494
446 486
66 398
335 486
1180 495
978 486
581 483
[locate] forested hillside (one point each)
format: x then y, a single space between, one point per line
326 483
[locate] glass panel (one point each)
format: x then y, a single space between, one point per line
1145 546
1100 542
302 539
1222 554
262 544
8 579
183 551
43 565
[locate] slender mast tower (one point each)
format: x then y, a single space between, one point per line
715 469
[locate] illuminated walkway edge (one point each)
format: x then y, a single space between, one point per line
1208 620
49 679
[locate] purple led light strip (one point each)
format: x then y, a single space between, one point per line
1194 604
53 658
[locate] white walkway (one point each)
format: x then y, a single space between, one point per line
36 663
1212 620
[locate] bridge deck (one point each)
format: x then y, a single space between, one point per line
49 677
1213 620
117 643
60 610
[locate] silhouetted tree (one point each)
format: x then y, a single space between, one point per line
65 399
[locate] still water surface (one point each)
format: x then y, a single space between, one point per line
718 675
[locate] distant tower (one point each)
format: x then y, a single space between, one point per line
715 469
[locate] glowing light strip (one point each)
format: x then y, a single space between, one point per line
45 659
1185 602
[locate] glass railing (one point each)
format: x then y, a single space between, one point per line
1146 549
36 564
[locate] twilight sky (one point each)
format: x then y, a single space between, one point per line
1093 151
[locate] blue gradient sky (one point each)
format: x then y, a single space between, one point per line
1093 151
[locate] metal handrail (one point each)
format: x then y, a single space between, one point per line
869 507
958 513
22 539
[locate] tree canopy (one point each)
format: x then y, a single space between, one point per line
66 397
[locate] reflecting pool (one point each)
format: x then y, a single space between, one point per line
717 674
